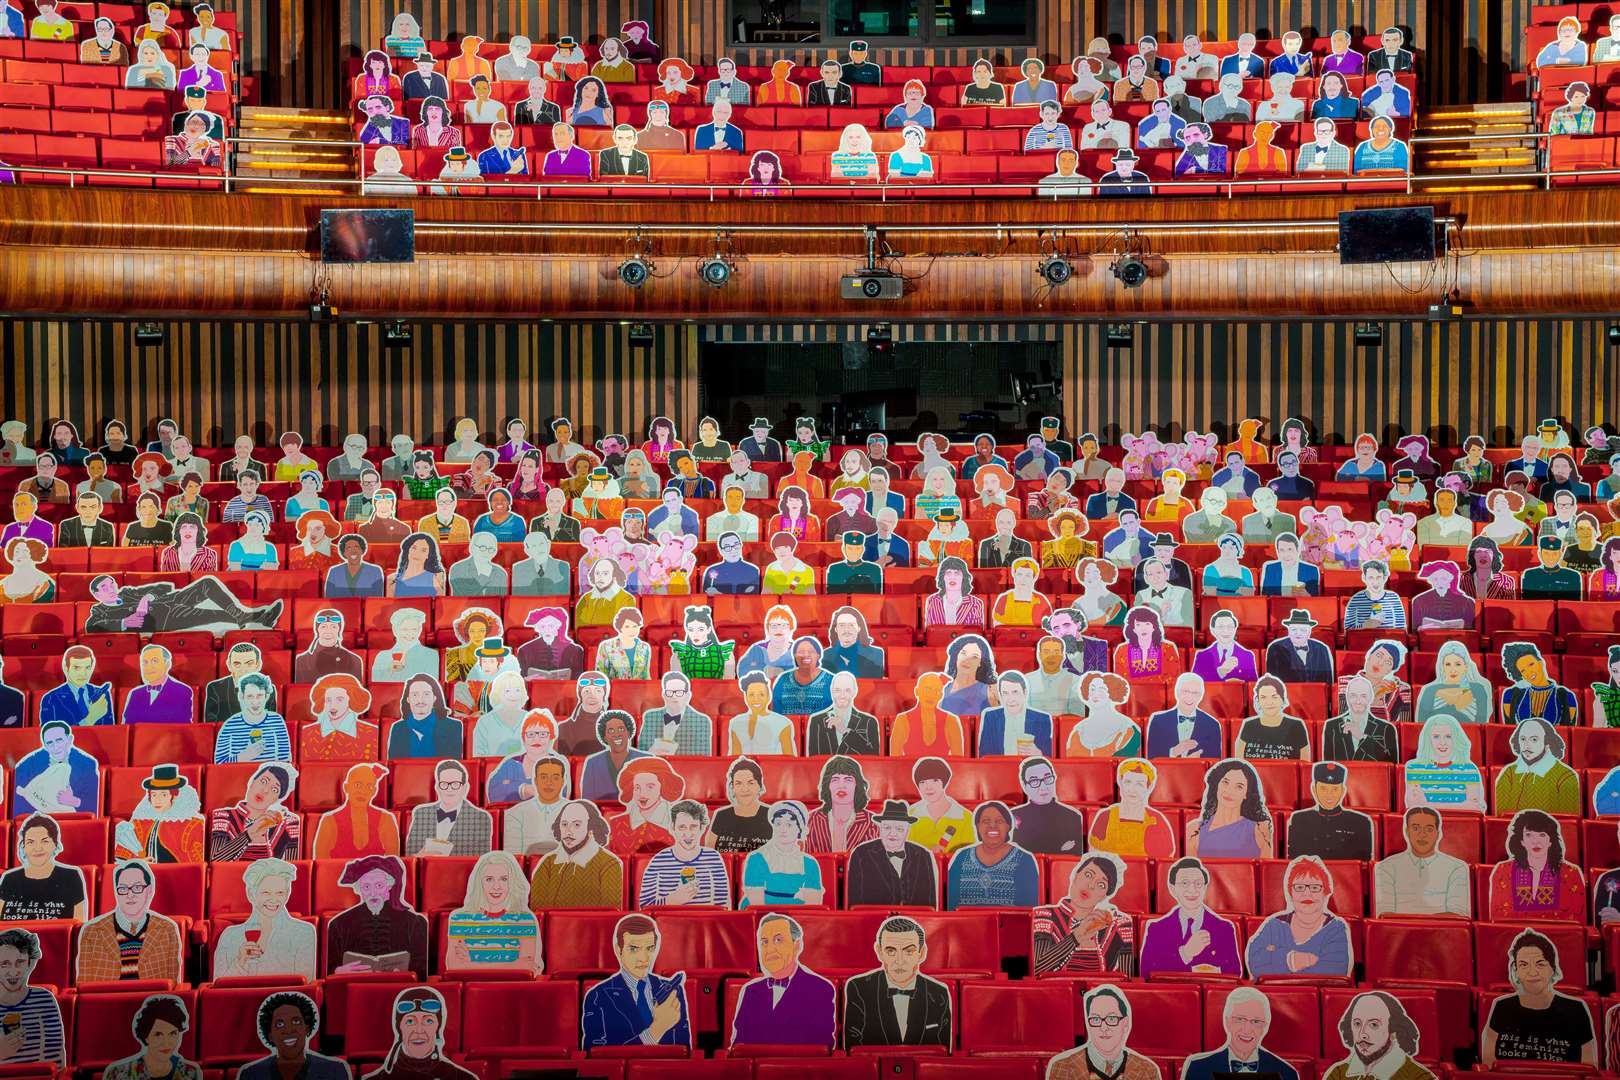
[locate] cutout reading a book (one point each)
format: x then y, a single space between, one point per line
382 931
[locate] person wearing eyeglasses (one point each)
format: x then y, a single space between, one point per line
1105 1053
420 1017
131 941
451 824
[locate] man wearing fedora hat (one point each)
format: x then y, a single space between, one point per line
424 82
166 826
759 446
891 870
1297 657
1124 179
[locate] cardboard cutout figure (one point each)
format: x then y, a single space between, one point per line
1535 881
288 1022
635 1007
1383 152
77 701
579 870
536 779
259 825
841 728
1105 1053
105 950
358 826
896 1004
761 728
686 872
1538 776
166 826
58 778
253 732
1381 1039
1422 879
1306 938
888 869
616 732
1358 733
161 607
1097 602
40 888
1441 772
1129 543
1080 653
1246 1019
337 732
1232 822
1329 829
1041 824
494 930
270 941
1296 656
1392 697
1458 689
788 1004
1146 654
1131 827
452 824
33 1031
420 1017
733 518
942 825
381 932
1533 693
159 1027
1190 937
1537 1022
927 728
1105 730
647 789
699 655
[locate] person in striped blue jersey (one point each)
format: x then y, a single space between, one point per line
254 733
30 1019
686 873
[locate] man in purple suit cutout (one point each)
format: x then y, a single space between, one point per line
789 1004
1191 937
1224 660
159 699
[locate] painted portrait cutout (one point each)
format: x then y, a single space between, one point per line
1535 881
1131 827
253 732
1105 730
1190 937
1246 1020
926 728
1186 729
994 871
78 701
494 930
895 1004
358 826
338 702
131 941
1297 656
420 1017
1537 1022
579 870
1421 879
260 824
970 671
1232 821
58 778
159 1027
616 734
33 1031
270 941
167 825
1539 776
1010 726
1084 931
1042 824
452 824
635 1006
761 729
648 789
205 604
1306 937
788 1004
27 583
1441 771
1381 1039
889 869
1534 694
41 888
382 931
698 654
1108 1027
841 728
686 873
1329 829
288 1022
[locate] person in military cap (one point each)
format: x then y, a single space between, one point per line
759 446
1330 830
860 71
1051 427
854 574
1551 580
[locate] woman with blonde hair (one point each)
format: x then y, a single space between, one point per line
494 930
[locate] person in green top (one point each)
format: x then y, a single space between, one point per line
804 438
854 574
700 655
424 481
710 446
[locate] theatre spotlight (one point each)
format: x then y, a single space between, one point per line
716 272
1369 336
1055 269
635 271
150 335
1130 271
1614 335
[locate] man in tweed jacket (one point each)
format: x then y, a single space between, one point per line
450 825
153 939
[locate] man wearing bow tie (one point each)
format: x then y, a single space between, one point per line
727 87
895 1004
450 825
789 1004
1246 1018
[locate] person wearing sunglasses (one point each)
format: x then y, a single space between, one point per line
420 1018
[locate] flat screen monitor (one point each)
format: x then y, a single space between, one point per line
1405 234
368 236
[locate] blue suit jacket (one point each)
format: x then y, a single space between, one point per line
899 550
60 704
689 520
611 1019
1271 578
1097 505
1206 1066
731 139
991 731
1255 68
1161 734
84 780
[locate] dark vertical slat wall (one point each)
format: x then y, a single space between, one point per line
220 379
223 379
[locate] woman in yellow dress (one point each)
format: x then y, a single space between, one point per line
607 595
1068 544
788 575
474 625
